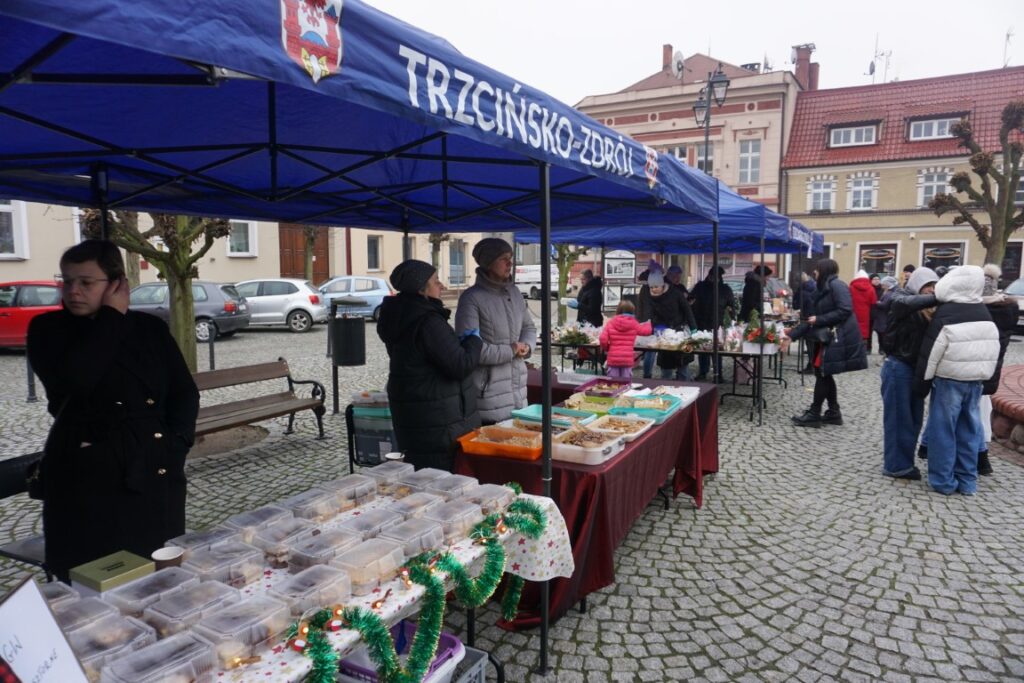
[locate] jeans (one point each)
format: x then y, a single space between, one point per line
902 412
704 364
681 373
619 373
954 432
649 358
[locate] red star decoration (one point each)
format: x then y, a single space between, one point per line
515 567
266 572
551 544
278 650
376 590
522 541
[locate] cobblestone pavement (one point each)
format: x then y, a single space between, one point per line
804 564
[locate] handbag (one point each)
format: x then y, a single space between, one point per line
823 335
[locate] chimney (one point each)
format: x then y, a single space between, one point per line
801 59
666 56
813 78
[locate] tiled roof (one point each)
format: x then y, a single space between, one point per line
696 68
982 95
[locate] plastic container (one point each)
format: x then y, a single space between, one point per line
495 442
57 593
605 388
200 540
453 486
371 398
183 657
588 404
73 615
316 504
371 563
182 610
415 505
277 539
610 445
241 629
313 587
387 475
352 490
490 497
370 523
374 434
232 563
516 423
321 549
625 405
106 639
563 417
132 598
416 535
631 427
248 523
450 652
472 668
456 517
420 479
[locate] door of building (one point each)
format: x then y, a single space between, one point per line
292 243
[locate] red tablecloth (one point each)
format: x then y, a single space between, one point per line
600 503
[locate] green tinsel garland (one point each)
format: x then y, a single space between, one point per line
318 649
510 600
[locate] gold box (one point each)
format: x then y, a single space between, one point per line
111 571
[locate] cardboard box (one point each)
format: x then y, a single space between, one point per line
111 571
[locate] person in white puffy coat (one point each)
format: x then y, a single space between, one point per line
959 353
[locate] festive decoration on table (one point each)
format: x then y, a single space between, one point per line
727 320
576 334
309 638
756 333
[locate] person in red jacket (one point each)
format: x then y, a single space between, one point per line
618 338
862 293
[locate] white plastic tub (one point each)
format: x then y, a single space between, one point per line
594 455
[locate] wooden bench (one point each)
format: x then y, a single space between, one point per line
216 418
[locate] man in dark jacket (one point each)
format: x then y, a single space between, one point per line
753 292
431 392
590 299
902 408
1004 312
703 299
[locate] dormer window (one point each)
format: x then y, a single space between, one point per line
851 136
932 129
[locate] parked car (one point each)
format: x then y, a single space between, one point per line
1016 288
372 290
527 279
288 302
219 309
19 303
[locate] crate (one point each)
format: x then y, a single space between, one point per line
357 667
472 668
372 437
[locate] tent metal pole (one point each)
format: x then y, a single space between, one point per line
714 298
545 374
760 358
272 135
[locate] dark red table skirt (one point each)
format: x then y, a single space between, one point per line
600 503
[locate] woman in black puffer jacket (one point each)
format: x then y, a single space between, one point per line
840 348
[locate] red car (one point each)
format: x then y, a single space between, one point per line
19 303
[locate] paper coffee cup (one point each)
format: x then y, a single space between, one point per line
168 557
394 456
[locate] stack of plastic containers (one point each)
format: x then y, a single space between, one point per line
242 629
248 523
73 615
200 540
317 505
415 505
451 487
387 476
321 549
277 539
457 518
351 491
232 562
371 522
57 593
106 639
371 563
182 657
418 481
372 428
313 588
490 497
416 535
133 598
182 610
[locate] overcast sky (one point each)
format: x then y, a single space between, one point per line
572 48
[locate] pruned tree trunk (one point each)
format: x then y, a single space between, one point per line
131 268
566 257
183 326
309 234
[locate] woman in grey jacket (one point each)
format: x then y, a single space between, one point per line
496 308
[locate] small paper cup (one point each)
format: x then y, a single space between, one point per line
168 557
398 457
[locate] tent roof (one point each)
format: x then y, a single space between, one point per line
199 107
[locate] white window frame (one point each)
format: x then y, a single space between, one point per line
751 175
859 247
76 225
923 182
853 136
868 182
699 154
964 255
819 185
253 250
379 241
931 129
19 229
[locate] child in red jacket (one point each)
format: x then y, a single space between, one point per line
618 338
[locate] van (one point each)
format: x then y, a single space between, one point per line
527 279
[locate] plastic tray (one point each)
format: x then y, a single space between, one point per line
199 540
387 475
421 479
457 518
277 540
352 490
132 598
248 523
233 563
72 616
605 388
313 587
371 563
182 610
182 657
370 523
490 497
242 628
321 549
450 651
644 424
529 425
318 504
416 504
453 486
470 444
587 456
563 417
58 593
106 639
417 536
589 404
658 416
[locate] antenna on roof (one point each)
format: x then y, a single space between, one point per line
871 67
1006 47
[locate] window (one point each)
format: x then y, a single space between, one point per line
862 193
13 230
456 262
678 152
409 247
848 137
820 192
366 285
38 295
932 129
930 182
373 252
242 240
248 289
339 287
76 225
948 254
1011 263
1018 196
148 295
750 162
199 293
7 294
705 157
878 258
278 289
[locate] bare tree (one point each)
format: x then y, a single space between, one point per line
566 256
436 238
92 230
997 184
309 242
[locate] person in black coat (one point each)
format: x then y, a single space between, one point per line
431 392
840 346
666 307
113 469
703 304
590 300
1004 312
753 292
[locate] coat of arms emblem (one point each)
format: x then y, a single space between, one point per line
311 34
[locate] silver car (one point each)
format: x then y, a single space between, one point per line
287 302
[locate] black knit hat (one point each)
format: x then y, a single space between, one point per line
489 249
411 276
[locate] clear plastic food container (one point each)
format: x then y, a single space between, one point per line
370 523
352 490
58 593
452 486
182 658
72 616
416 504
180 611
241 629
416 535
456 517
248 523
630 427
371 563
586 446
321 549
277 539
315 586
490 497
234 563
317 505
106 639
132 598
387 475
199 540
421 479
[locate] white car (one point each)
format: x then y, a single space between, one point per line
527 279
286 302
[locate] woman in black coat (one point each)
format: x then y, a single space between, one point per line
431 390
590 300
666 307
753 292
840 347
113 471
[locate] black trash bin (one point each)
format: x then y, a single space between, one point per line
348 343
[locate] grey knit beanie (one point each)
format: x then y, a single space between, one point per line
489 249
411 276
921 277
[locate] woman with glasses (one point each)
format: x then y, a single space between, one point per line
112 475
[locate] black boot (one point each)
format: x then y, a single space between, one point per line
810 418
984 465
832 416
809 370
922 452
